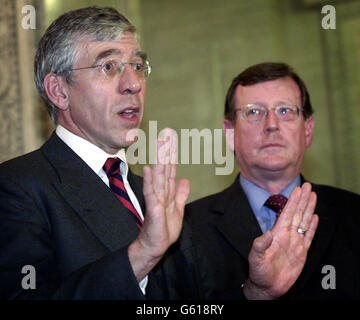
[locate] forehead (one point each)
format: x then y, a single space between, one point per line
127 46
274 91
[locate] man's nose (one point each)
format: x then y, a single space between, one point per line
130 82
271 121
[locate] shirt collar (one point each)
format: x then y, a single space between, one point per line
91 154
257 196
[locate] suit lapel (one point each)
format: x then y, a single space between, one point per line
90 198
136 183
236 221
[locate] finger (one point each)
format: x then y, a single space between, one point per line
173 165
162 150
286 216
167 165
172 182
148 189
171 169
159 169
164 145
165 157
182 193
309 212
309 235
302 204
174 148
147 186
158 178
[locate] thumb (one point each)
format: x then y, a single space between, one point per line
148 188
263 242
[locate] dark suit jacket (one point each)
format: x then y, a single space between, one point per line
224 228
58 216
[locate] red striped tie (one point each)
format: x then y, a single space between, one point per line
112 170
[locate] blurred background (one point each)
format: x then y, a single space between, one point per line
196 47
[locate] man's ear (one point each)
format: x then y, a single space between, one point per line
56 91
309 128
228 128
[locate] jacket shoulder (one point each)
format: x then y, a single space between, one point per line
22 165
205 202
201 210
335 194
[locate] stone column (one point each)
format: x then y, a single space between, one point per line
23 121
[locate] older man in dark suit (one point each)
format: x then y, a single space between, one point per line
71 212
269 125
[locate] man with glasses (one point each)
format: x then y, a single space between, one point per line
257 220
72 213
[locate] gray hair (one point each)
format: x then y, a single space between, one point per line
57 50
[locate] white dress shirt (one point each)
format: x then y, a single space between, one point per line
95 158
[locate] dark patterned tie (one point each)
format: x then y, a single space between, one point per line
116 183
276 203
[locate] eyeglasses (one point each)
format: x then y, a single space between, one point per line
257 112
110 68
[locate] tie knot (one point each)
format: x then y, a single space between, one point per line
112 166
276 203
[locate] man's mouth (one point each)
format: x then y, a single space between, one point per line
271 146
129 113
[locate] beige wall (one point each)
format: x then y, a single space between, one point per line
196 48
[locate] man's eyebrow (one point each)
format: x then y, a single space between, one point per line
105 54
111 52
141 54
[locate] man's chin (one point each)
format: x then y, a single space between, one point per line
131 136
274 164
